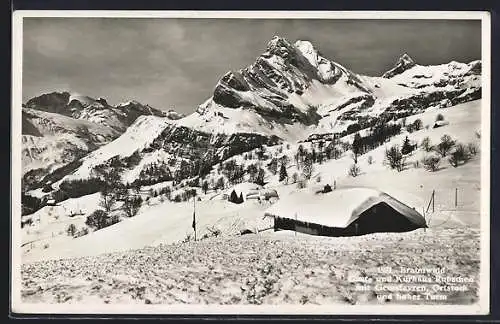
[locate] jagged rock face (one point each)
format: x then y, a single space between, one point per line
55 102
134 109
186 143
283 72
404 63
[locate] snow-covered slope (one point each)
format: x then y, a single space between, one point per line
61 127
52 139
139 135
162 221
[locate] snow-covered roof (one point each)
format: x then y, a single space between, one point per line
244 187
338 208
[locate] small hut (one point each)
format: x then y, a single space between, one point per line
344 212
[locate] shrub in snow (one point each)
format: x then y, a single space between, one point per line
472 148
459 155
439 117
395 158
301 184
354 170
71 230
220 183
83 231
131 205
431 163
188 238
97 220
327 188
417 124
426 144
445 146
214 231
370 160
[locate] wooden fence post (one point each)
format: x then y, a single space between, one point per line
456 197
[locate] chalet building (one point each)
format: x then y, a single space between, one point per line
344 212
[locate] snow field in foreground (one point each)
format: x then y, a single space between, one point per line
258 269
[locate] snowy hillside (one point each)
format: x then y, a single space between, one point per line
141 133
162 220
60 127
52 140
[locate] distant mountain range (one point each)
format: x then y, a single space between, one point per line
59 127
290 93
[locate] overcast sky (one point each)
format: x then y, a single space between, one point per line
176 63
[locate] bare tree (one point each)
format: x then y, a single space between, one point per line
445 146
426 144
307 168
395 158
108 200
431 163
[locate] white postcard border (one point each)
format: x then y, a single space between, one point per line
481 308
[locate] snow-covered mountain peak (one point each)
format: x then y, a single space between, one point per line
128 103
77 99
405 62
279 46
307 49
405 59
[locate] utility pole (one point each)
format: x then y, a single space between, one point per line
433 199
194 217
295 224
